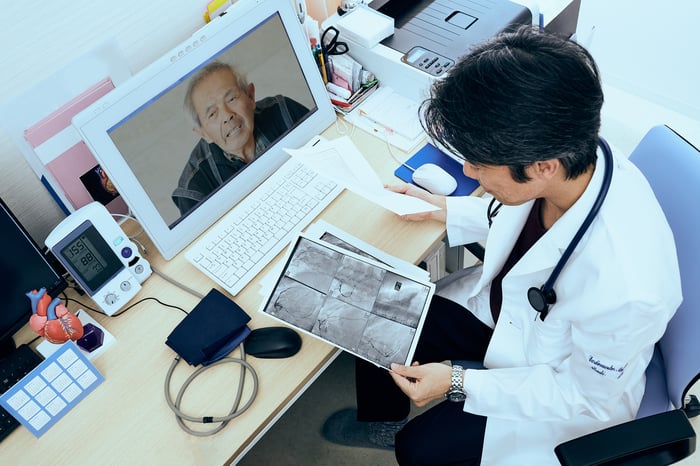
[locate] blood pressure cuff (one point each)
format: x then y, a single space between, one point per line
210 331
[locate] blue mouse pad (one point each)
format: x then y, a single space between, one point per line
431 154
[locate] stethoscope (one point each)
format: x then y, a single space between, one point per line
543 297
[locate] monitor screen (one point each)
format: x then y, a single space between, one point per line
191 135
23 268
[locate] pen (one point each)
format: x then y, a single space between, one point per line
323 67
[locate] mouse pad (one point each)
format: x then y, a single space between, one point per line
431 154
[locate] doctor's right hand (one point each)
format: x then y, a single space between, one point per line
422 383
435 199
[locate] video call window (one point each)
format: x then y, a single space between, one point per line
162 144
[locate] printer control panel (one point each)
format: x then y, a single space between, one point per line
428 61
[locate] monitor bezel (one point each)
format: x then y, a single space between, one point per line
94 123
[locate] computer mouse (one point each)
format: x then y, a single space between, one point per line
272 342
433 178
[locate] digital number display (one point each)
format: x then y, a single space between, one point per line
90 259
82 255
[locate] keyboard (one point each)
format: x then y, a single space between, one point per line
249 236
12 368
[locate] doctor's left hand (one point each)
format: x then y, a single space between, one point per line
422 383
438 201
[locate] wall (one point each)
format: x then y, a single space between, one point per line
39 43
647 52
645 49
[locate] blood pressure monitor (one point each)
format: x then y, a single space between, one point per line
98 254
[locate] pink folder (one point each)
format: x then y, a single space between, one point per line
76 170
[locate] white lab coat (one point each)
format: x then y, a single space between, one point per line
582 369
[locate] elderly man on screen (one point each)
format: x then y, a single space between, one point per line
233 126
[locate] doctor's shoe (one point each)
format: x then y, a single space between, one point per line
343 428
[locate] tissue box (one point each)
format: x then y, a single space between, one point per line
365 26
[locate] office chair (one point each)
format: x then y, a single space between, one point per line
661 434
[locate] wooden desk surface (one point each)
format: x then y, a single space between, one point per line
126 419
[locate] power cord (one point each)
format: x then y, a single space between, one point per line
131 306
133 238
387 132
341 126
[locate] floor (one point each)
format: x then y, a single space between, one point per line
295 440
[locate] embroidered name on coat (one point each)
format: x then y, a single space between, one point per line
612 369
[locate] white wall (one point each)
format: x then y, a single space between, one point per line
645 48
648 52
39 40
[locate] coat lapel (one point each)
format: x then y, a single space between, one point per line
548 250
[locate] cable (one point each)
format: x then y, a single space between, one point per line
176 283
386 133
153 269
139 244
175 405
235 411
345 125
100 311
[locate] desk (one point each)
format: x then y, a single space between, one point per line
126 419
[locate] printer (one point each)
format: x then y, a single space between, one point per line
431 35
447 28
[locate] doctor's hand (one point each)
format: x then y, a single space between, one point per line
415 191
422 383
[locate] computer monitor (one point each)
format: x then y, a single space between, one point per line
149 144
23 268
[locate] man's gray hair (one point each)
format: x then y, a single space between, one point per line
205 71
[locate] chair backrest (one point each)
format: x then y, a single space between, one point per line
672 166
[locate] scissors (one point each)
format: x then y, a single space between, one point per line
330 43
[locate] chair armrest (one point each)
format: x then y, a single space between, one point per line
659 439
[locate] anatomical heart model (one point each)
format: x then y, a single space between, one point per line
51 319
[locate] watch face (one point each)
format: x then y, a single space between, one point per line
456 395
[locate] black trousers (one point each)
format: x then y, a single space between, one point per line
444 434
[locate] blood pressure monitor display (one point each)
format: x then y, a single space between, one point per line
90 257
99 255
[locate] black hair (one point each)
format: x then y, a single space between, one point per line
519 98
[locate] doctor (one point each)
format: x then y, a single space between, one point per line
523 110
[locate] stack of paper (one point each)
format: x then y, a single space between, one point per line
390 115
365 26
341 161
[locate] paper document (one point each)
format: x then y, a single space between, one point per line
349 300
342 162
329 233
388 112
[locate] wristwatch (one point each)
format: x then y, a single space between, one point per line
456 391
